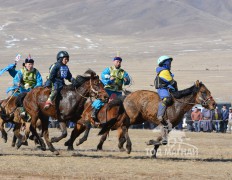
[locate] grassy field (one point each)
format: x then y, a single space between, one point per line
188 156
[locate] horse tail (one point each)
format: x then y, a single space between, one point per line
108 125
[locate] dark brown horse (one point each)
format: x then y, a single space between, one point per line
142 106
105 114
68 106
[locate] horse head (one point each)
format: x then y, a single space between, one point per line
95 86
204 96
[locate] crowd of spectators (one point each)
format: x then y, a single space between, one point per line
201 119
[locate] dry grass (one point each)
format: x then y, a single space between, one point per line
213 160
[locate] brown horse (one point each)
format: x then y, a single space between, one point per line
10 113
142 106
84 124
69 105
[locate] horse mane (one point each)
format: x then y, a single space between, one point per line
81 79
186 92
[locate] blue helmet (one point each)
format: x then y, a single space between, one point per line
162 59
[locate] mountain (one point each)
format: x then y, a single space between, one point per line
162 18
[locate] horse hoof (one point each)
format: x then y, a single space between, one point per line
66 143
128 150
164 142
25 143
70 148
13 145
53 140
56 153
43 148
99 148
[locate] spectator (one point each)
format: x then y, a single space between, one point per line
196 116
189 120
216 119
224 122
206 122
230 119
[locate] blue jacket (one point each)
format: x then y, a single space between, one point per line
58 73
225 114
105 77
19 78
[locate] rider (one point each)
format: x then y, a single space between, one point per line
26 79
113 78
165 84
58 72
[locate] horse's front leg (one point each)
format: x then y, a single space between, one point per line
4 134
34 132
64 133
44 122
78 129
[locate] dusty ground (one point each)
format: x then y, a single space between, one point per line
200 156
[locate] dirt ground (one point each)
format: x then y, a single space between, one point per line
189 155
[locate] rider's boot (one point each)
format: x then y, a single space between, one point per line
161 110
164 125
94 114
24 115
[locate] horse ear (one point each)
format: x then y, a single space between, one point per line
197 83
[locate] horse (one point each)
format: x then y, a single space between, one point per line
69 105
86 121
10 113
142 105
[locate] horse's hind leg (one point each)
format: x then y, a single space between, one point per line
121 139
78 129
102 140
64 133
128 141
13 141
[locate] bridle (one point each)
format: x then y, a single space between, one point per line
204 102
91 90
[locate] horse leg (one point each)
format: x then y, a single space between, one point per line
45 121
18 135
35 134
85 137
64 133
4 134
154 152
121 140
78 129
102 140
13 141
128 141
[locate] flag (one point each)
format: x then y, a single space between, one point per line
17 58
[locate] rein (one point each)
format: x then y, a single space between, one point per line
92 89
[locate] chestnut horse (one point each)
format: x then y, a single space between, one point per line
142 105
84 124
69 105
